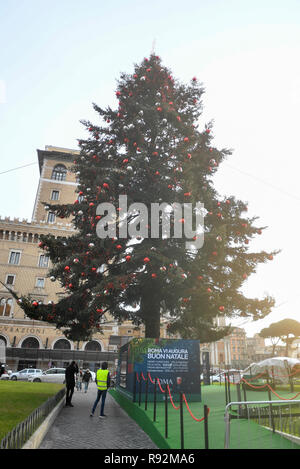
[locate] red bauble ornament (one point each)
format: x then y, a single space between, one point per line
221 308
153 275
67 268
128 258
146 259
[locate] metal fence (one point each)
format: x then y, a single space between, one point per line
262 424
16 438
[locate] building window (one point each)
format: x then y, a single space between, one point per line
62 344
14 257
43 260
40 282
55 195
59 172
51 217
5 306
30 342
93 345
10 279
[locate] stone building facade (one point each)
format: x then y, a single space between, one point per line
24 267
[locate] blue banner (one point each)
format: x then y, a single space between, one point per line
174 362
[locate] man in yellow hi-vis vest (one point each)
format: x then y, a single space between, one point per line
103 383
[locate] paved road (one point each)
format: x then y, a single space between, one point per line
75 429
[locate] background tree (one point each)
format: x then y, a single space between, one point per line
150 149
286 331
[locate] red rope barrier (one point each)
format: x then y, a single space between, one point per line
272 390
149 376
160 386
171 399
252 385
190 412
176 408
283 398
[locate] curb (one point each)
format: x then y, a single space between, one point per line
36 439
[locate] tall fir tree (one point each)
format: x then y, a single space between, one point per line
150 150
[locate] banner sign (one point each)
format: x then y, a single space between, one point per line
175 362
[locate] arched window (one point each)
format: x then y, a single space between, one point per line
30 342
59 172
5 306
62 344
3 341
92 345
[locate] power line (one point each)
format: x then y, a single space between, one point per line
264 182
19 167
293 196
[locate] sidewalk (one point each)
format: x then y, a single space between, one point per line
75 429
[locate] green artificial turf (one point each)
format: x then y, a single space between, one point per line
18 399
244 434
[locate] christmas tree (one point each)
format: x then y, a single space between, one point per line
128 257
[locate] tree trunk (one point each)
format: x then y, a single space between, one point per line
151 314
152 329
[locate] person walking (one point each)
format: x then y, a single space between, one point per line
87 377
79 377
103 383
71 370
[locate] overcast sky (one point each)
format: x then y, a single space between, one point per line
58 57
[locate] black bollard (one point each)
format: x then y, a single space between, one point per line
166 411
140 389
134 386
206 426
146 393
229 394
181 423
154 400
271 408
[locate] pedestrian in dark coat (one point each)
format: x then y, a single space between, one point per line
87 377
70 373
